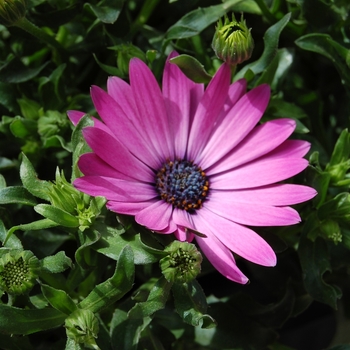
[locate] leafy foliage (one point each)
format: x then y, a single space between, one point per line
99 275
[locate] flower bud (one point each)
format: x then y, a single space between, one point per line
233 42
66 197
125 53
82 326
182 263
11 11
18 271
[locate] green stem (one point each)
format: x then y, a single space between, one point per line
32 29
265 10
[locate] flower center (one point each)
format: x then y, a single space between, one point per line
183 184
15 273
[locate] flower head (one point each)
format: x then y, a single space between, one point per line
232 41
11 11
18 272
182 262
186 159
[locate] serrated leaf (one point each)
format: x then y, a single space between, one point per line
58 299
315 262
16 194
30 181
115 287
156 300
56 263
191 305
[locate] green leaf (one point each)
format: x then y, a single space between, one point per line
16 194
73 345
57 215
315 261
115 287
271 39
341 150
12 242
326 46
58 299
15 71
336 208
36 187
26 321
156 300
191 304
192 68
107 11
195 21
83 254
113 241
111 70
56 263
8 97
23 128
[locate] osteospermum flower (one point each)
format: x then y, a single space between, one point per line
194 162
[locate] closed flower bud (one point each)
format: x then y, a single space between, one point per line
82 326
183 262
233 42
18 272
11 11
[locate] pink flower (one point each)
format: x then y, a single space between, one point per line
186 159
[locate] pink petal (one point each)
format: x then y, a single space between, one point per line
156 217
291 148
257 214
258 173
240 239
115 189
124 130
239 121
75 116
92 164
116 155
262 139
208 111
235 92
181 96
128 208
221 258
150 105
276 195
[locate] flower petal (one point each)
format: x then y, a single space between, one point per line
276 195
116 155
128 208
258 173
150 105
124 130
262 139
208 112
92 164
252 214
221 258
156 217
75 116
181 96
291 148
115 189
240 239
239 121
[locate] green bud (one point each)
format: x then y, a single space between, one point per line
82 326
183 262
12 11
125 52
233 42
18 272
64 196
52 123
331 230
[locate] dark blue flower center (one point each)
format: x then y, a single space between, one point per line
183 184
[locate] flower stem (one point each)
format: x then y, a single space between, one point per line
32 29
